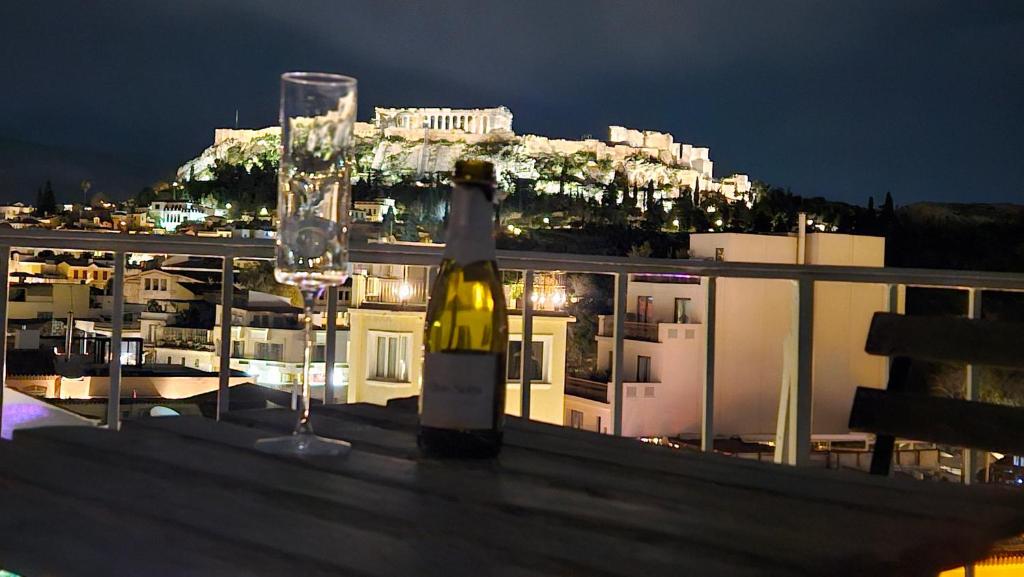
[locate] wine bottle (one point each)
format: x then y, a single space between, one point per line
462 403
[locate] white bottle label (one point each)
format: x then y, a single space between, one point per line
458 391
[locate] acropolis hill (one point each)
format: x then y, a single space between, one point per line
413 142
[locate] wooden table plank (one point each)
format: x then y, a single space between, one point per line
308 533
535 539
904 495
796 521
557 502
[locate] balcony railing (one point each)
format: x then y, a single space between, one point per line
803 278
394 291
587 389
634 330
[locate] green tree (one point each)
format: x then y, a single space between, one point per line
46 201
643 250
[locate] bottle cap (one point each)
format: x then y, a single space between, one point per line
479 172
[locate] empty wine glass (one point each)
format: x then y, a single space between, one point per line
318 112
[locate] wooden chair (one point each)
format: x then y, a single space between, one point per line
905 410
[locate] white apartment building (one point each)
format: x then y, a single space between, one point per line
267 343
169 215
373 210
665 342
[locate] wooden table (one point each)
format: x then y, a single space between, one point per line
189 496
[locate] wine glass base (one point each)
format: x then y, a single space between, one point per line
303 445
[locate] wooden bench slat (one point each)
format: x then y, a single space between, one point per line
939 420
949 339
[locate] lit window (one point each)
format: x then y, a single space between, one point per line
389 357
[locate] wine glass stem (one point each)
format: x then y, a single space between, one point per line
307 362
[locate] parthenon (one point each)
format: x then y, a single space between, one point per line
469 121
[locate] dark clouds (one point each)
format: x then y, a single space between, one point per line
837 99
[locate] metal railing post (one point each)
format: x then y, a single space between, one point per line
969 456
116 326
707 408
5 268
618 360
802 401
227 301
330 343
526 348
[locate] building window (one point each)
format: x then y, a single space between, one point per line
643 369
644 309
389 357
237 349
536 363
599 425
270 351
576 419
43 315
319 353
682 310
163 284
648 392
720 254
630 392
147 284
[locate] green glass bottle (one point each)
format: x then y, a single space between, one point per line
462 404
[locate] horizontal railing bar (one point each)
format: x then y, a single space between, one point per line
428 255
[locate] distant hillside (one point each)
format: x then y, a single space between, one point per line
958 236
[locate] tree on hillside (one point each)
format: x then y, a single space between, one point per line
886 216
85 185
46 201
654 214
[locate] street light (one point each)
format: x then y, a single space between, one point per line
675 223
718 222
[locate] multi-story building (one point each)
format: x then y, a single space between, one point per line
665 335
373 210
85 270
386 322
15 211
267 343
169 215
29 301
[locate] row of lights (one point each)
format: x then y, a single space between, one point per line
557 298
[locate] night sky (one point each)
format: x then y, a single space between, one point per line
838 99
